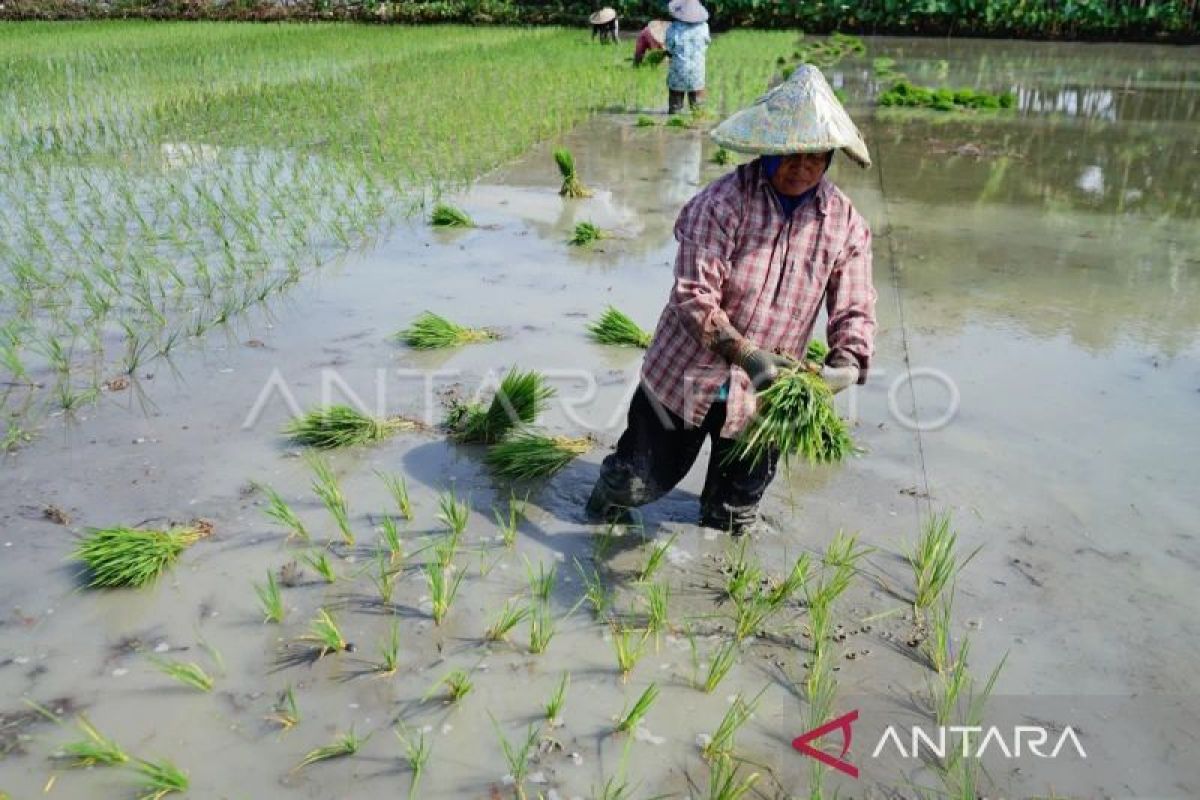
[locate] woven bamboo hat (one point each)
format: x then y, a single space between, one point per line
800 115
688 10
602 16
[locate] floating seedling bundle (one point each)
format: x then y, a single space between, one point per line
528 454
796 416
586 233
614 327
571 185
521 397
342 426
134 556
431 331
447 216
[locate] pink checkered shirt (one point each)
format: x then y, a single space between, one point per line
741 261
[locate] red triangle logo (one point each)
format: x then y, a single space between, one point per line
842 723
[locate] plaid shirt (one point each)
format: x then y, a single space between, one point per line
743 262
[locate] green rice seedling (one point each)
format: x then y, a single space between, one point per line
271 599
722 157
391 540
160 778
187 673
816 351
678 121
615 328
327 489
952 687
594 590
278 510
934 561
506 619
94 750
586 233
447 216
384 579
720 664
398 488
724 783
795 581
520 398
133 557
658 600
571 185
751 612
796 416
722 741
457 684
389 652
416 753
541 581
325 634
556 701
541 628
630 719
939 645
342 747
286 713
527 454
654 562
628 649
510 524
744 575
335 426
453 513
442 590
841 559
644 121
517 755
319 561
430 331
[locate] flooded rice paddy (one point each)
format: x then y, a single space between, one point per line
1039 316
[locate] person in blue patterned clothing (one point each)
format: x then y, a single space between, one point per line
687 41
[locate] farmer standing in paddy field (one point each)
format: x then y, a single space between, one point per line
759 250
687 41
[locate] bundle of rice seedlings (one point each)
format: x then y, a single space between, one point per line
160 778
816 351
334 426
431 331
447 216
585 234
796 416
520 398
678 121
571 185
133 556
96 749
646 122
345 745
528 454
614 327
188 673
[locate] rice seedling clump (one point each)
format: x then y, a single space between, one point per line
447 216
133 557
431 331
520 398
616 328
528 454
342 426
571 185
796 416
586 233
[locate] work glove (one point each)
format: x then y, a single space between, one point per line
764 367
839 377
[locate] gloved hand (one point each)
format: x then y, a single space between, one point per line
839 378
763 366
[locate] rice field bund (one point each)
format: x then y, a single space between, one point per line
313 337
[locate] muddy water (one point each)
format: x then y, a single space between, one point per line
1042 268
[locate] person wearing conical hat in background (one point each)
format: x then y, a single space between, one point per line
652 37
761 251
687 41
605 25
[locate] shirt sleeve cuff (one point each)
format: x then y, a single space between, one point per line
844 358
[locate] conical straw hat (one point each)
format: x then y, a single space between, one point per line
800 115
602 16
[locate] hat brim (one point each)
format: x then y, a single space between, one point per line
602 16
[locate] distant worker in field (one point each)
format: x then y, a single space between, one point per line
652 39
760 251
605 25
687 42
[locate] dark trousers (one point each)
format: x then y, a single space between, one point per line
675 100
656 451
